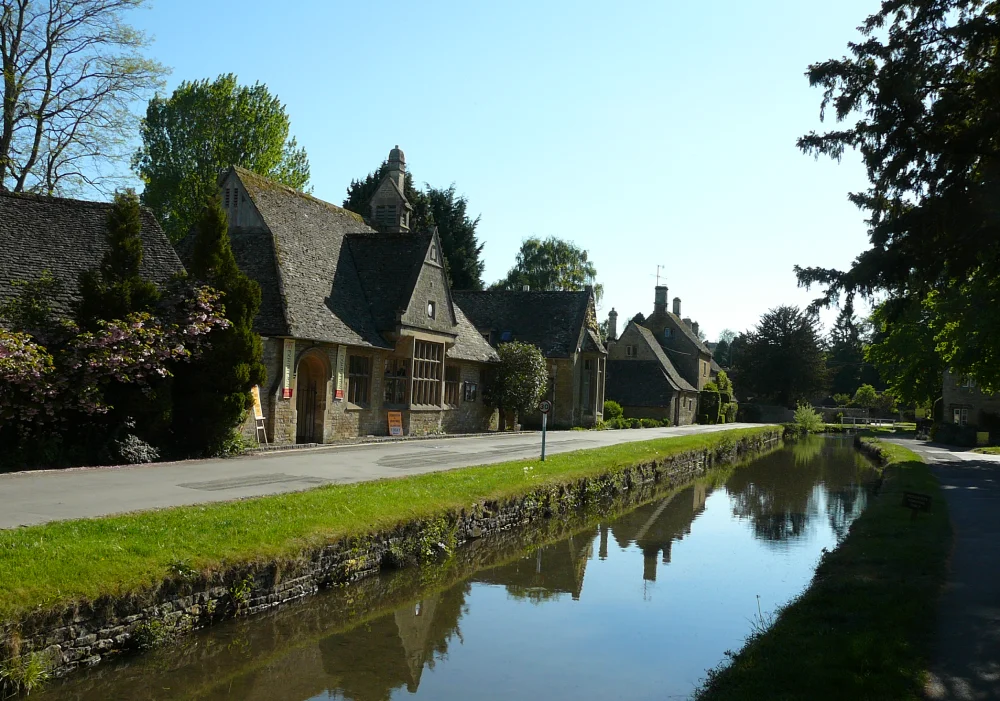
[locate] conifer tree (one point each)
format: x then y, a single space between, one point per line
212 395
117 288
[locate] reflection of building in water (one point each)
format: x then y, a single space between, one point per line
654 527
376 658
547 573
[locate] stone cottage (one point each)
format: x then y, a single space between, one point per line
66 238
966 404
356 323
679 339
564 326
643 380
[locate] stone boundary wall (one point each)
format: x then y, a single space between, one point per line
87 634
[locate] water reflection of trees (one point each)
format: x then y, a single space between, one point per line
779 493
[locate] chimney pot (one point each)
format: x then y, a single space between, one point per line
660 300
694 327
677 306
612 325
687 321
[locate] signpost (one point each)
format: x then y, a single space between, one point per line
258 414
544 406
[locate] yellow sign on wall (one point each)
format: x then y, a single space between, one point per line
395 423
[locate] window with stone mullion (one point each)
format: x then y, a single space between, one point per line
427 362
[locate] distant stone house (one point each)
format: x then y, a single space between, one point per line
966 404
564 326
356 324
643 380
657 368
66 238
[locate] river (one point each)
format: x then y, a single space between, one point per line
637 605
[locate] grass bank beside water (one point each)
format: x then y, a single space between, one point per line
47 567
863 629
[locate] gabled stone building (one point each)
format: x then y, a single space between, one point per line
643 380
564 326
355 323
657 368
965 404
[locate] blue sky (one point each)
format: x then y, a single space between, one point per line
645 132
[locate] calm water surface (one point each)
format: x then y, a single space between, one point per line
637 607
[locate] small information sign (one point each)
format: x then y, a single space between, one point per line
258 410
916 502
395 423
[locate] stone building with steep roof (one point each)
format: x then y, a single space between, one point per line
564 326
355 323
66 238
643 380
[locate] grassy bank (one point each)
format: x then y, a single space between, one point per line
992 450
47 567
862 630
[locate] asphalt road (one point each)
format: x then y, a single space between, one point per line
965 663
28 498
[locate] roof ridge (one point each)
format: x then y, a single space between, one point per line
243 172
54 199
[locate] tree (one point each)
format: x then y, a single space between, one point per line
782 359
727 335
71 70
722 353
211 396
462 250
442 208
866 397
920 101
846 357
117 288
552 264
903 348
519 380
204 127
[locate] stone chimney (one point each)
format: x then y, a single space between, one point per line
694 327
397 167
660 301
677 306
687 321
612 325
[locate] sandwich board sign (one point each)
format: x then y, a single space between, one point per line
395 423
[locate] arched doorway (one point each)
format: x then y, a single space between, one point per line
310 402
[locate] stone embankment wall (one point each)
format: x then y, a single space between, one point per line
87 634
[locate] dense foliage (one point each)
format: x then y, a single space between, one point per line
97 389
552 264
519 381
211 397
918 100
433 207
781 360
71 72
846 346
612 410
191 137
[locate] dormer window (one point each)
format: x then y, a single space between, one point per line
431 309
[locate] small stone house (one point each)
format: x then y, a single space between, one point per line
643 380
356 323
564 326
679 338
966 404
66 238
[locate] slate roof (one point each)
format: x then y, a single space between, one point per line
638 383
675 378
553 321
67 237
326 276
321 298
388 266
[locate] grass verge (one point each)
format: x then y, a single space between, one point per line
47 567
992 450
862 630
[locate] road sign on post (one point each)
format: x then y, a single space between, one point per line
544 406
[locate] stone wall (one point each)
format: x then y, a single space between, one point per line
89 633
978 406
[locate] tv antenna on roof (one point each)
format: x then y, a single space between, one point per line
658 269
